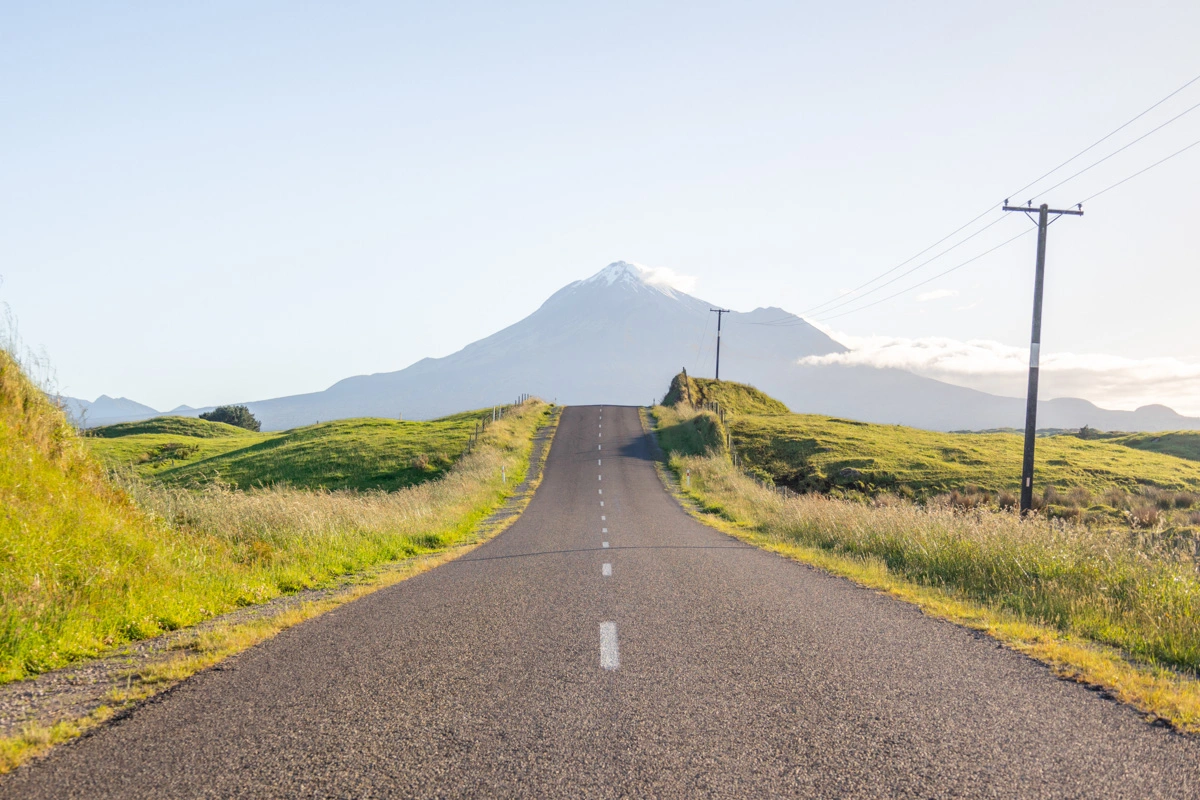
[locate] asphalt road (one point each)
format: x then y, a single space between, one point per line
692 666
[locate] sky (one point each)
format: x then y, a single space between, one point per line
217 202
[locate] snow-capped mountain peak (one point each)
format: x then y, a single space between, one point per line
629 274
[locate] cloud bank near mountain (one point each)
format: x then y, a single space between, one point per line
1110 381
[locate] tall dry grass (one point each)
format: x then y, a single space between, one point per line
1137 590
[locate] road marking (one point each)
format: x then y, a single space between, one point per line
609 658
603 518
604 545
604 530
599 477
599 447
606 570
601 491
601 502
598 463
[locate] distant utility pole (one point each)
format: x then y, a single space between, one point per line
720 312
1035 346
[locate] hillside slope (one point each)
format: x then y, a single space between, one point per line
67 537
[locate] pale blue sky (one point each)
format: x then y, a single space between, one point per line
215 202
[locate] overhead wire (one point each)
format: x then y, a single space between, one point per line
828 305
989 251
1115 152
1090 197
1139 172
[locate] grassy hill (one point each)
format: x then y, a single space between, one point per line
1106 477
1182 444
358 454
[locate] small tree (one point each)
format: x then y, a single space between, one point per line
233 415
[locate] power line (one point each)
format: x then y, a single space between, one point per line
792 321
1113 153
973 259
846 295
1107 136
1139 172
917 267
902 263
1089 198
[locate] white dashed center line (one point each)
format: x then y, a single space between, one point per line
604 530
598 464
601 502
604 545
601 491
603 518
599 477
609 658
606 570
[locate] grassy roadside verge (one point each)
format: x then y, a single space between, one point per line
88 564
196 650
1122 614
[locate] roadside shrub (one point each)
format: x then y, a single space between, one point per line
1144 516
1008 501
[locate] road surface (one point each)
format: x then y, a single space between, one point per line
607 645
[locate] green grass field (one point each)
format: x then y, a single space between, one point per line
359 454
815 452
1104 480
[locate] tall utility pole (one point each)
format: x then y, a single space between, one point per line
1035 345
720 312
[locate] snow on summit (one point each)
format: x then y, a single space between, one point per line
661 278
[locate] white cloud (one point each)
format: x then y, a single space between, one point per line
1109 381
665 276
936 294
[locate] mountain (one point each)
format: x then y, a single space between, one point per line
618 336
105 410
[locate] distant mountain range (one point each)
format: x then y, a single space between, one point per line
618 337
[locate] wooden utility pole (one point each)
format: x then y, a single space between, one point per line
720 312
1035 343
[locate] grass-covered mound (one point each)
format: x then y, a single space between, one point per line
736 398
357 454
169 426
